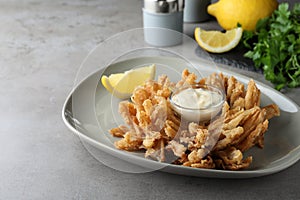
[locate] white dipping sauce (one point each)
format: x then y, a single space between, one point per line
196 98
197 104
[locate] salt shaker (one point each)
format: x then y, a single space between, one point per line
163 22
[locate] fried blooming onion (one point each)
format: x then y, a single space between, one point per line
153 126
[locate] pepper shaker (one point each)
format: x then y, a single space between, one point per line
196 11
163 22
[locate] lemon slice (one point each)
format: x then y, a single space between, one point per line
121 85
216 41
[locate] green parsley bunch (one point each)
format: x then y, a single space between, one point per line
275 46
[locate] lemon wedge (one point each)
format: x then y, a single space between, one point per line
216 41
121 85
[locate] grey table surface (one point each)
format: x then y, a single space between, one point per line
42 46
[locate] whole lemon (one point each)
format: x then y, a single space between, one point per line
245 12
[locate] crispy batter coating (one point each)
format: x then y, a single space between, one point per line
177 148
153 126
271 111
232 159
130 142
252 97
229 138
253 136
207 163
119 131
187 78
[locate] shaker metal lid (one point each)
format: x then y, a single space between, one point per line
163 6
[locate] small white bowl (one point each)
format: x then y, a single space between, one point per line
198 113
